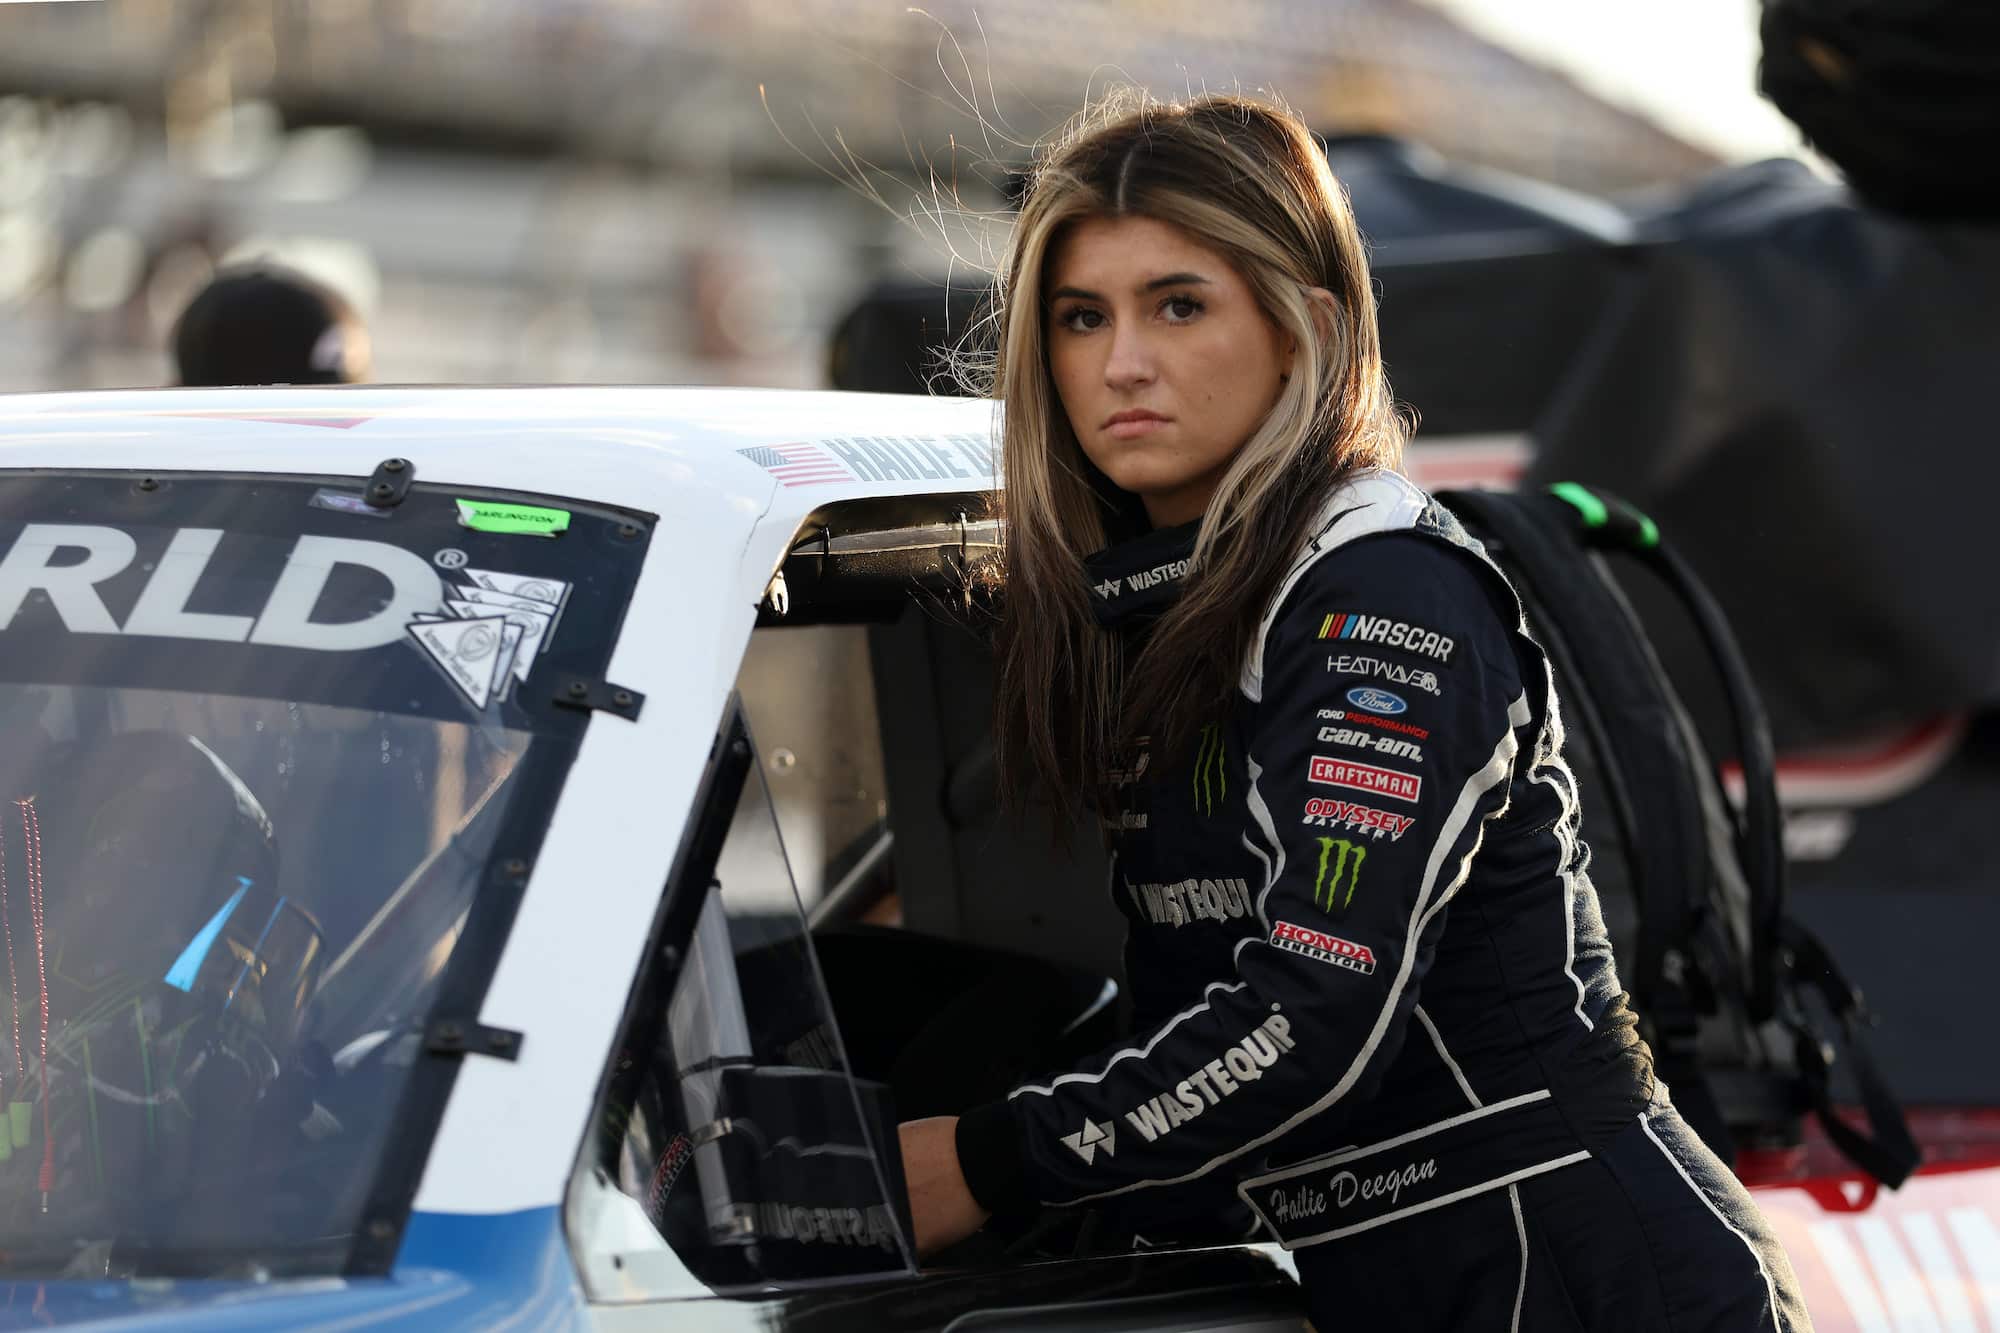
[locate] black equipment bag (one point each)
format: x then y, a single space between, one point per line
1732 994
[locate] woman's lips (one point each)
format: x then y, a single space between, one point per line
1132 425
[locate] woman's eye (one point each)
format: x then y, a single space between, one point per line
1081 319
1180 309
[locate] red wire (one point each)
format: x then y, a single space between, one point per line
31 829
7 925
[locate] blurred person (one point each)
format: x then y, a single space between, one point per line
261 324
1375 1003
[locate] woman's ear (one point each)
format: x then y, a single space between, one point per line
1325 310
1325 316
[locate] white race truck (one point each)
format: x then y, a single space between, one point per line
468 859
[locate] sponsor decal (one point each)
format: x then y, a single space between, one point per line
1328 772
1394 672
816 1226
476 655
668 1173
1124 821
70 587
1144 579
1127 774
346 502
1344 858
1323 948
497 516
1211 775
1362 740
876 458
1191 900
1093 1136
1330 812
528 607
1244 1062
1343 1188
1361 628
1378 723
1372 700
480 632
1335 813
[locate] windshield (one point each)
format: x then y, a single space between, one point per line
253 767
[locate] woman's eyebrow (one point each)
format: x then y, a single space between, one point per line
1170 280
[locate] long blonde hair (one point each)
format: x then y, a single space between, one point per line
1247 179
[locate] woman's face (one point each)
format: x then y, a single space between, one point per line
1163 358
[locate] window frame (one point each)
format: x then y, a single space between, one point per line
668 945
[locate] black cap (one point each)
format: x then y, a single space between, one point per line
266 325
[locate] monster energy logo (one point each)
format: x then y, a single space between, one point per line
1327 894
1211 772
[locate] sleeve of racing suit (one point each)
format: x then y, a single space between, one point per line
1365 831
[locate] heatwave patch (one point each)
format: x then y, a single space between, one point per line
1322 947
1329 772
1415 678
1362 628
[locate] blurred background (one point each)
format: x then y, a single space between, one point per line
675 190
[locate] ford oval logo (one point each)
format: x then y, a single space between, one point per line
1376 701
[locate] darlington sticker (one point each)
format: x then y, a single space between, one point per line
1364 777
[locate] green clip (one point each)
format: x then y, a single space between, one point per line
1645 534
492 516
1595 515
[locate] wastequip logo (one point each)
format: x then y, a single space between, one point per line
1243 1062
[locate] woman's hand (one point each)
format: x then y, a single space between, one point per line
941 1206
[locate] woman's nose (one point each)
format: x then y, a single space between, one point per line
1131 360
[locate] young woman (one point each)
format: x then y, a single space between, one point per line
1375 1000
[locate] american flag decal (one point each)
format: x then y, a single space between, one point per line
798 464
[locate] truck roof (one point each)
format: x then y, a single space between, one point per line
777 453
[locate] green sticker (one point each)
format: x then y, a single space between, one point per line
492 516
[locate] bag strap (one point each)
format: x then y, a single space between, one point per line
1888 1151
1610 679
1604 522
1786 957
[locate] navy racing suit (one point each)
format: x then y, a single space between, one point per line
1374 999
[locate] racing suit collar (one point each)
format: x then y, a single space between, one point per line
1141 577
